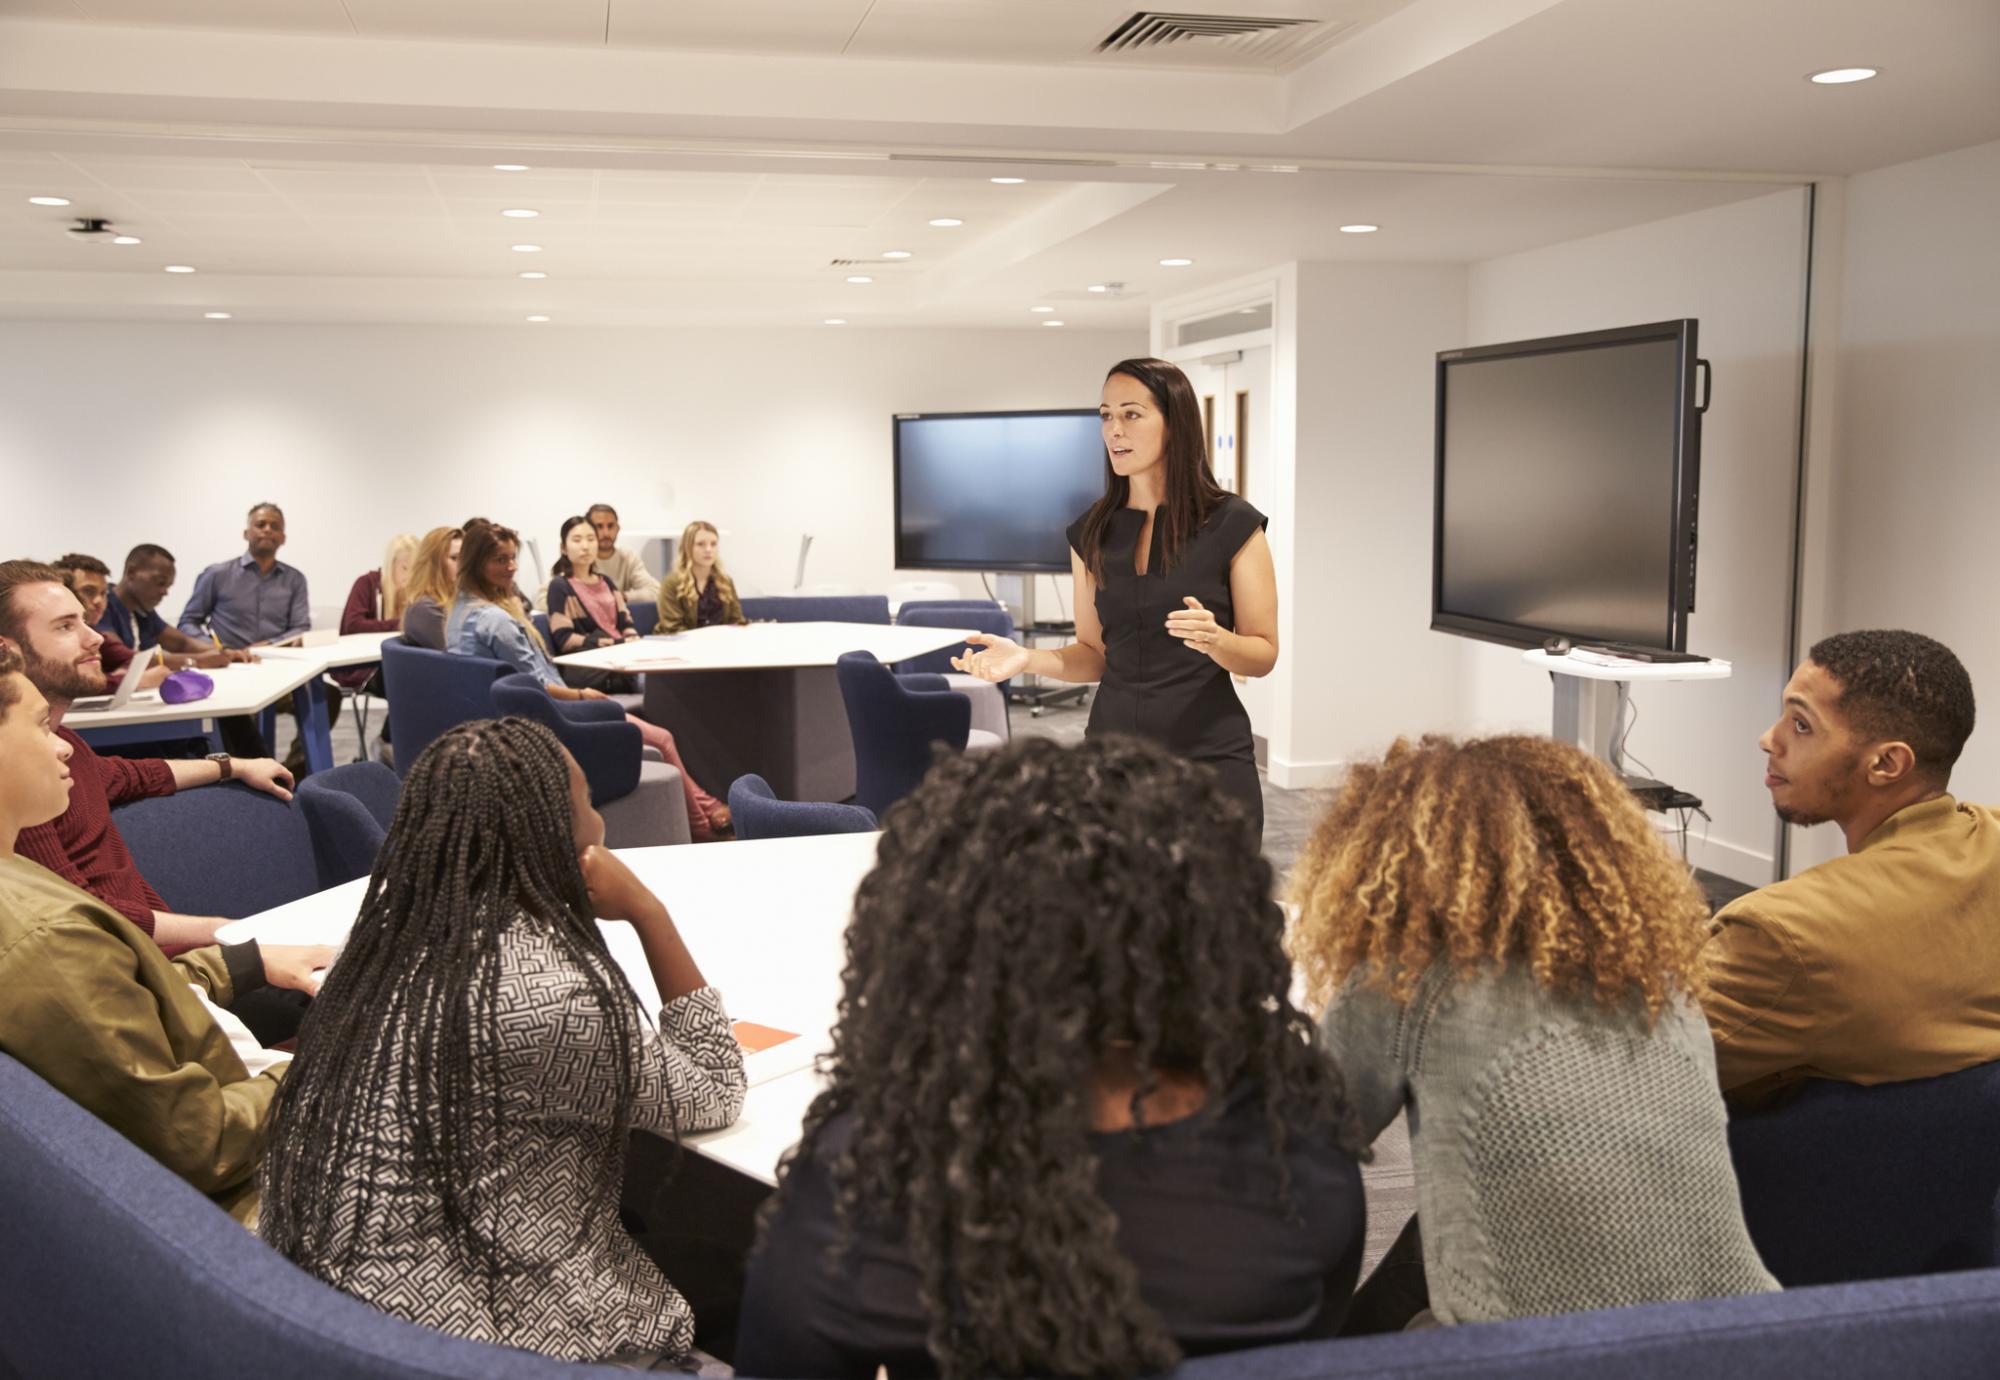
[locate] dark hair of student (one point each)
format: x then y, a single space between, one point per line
562 566
594 509
147 551
1028 910
1191 491
11 665
482 838
78 561
13 575
1903 685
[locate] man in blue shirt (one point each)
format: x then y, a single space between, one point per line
254 599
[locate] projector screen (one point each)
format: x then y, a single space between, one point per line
1565 488
993 490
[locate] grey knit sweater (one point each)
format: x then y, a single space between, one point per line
1566 1158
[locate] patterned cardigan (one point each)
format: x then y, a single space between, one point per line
590 1301
573 629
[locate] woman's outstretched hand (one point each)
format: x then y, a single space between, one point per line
991 657
1195 626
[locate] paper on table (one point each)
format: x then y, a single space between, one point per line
770 1053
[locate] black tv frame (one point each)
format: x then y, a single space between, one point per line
1680 577
896 513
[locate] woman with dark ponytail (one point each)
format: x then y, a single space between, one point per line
1175 589
450 1142
1072 1123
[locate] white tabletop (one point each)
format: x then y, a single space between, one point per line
766 646
1628 670
242 687
352 649
767 922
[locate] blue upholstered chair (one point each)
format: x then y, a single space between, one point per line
642 802
541 622
895 720
989 698
761 815
349 810
225 850
818 608
645 614
1847 1182
430 692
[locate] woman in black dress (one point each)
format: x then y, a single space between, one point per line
1175 588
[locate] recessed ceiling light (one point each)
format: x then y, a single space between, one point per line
1041 311
520 213
1098 287
527 249
1052 323
1175 263
1006 181
1840 76
180 268
534 273
947 222
510 167
834 321
895 253
125 239
538 318
1359 229
48 201
215 316
859 278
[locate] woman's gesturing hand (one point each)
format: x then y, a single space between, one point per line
1196 626
991 657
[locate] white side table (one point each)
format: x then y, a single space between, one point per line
1586 695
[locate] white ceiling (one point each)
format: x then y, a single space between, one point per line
330 159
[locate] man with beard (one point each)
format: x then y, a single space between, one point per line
1882 965
43 621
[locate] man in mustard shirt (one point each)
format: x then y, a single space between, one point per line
1882 965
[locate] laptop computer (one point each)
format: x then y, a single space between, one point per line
127 691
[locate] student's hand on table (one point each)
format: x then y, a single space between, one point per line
994 658
1195 626
155 673
592 695
616 893
301 967
264 773
235 654
208 661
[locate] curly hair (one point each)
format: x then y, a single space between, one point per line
1029 911
1896 684
1503 849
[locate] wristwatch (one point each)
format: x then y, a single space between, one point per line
221 759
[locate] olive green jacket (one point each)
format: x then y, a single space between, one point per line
677 608
88 1001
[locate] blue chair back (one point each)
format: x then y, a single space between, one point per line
759 814
1847 1182
819 608
605 746
115 1266
895 720
437 690
645 614
225 850
987 618
349 810
541 621
913 605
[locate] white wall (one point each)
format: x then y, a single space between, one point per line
115 434
1917 501
1740 270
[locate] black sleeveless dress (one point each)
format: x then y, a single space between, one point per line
1155 685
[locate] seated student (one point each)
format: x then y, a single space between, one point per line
623 568
1074 1124
698 594
89 579
586 610
487 620
375 604
433 587
1503 946
131 613
461 1167
1884 964
97 1011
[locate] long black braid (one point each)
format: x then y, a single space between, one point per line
405 1031
1028 911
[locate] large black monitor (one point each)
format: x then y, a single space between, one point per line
993 490
1567 475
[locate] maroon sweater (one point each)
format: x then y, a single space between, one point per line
83 847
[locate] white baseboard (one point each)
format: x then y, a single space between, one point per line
1732 860
1301 776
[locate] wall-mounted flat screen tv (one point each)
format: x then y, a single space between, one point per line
993 490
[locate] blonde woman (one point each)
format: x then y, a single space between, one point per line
697 593
433 587
1499 943
376 603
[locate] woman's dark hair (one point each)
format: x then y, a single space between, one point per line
407 1024
1192 493
562 566
1028 910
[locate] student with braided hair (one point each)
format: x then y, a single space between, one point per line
1073 1124
451 1144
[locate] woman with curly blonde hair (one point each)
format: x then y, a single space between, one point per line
1497 940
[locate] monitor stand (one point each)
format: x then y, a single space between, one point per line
1586 695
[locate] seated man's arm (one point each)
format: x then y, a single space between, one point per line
200 607
78 1015
1758 1003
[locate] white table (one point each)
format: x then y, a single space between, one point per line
1586 694
762 698
767 922
333 654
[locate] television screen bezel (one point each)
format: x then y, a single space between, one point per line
896 421
1686 482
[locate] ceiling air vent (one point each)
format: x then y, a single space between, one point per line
1239 36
